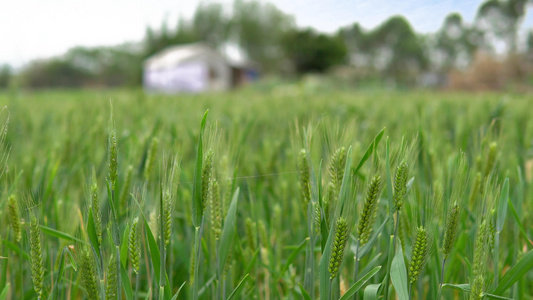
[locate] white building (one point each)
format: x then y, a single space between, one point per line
192 68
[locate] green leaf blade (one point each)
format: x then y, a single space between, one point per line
228 231
371 148
516 273
371 292
356 286
398 275
197 207
502 205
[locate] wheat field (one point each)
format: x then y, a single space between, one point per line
266 193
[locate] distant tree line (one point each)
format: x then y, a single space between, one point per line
392 51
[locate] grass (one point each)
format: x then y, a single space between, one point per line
166 200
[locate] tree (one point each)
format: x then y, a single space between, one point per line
500 19
55 72
312 52
529 50
354 37
6 73
157 40
397 51
258 29
87 67
392 50
455 44
210 24
530 42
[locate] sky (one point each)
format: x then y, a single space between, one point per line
31 29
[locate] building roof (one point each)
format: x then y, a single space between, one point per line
176 55
179 54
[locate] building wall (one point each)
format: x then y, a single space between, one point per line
190 77
200 73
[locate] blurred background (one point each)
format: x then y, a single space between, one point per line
199 46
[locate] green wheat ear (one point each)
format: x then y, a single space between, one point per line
113 158
480 249
479 261
95 208
168 203
400 185
329 201
37 269
491 158
475 189
366 219
305 177
318 217
339 245
419 255
153 222
491 230
251 233
476 292
336 167
150 158
451 230
126 186
207 170
265 242
216 210
88 274
134 245
14 216
111 280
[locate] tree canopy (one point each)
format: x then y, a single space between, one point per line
313 52
392 51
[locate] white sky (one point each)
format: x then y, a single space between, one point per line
32 29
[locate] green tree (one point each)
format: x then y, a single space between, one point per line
312 52
455 43
500 19
157 40
55 72
6 73
392 51
529 51
258 29
530 41
397 50
210 24
354 37
108 66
